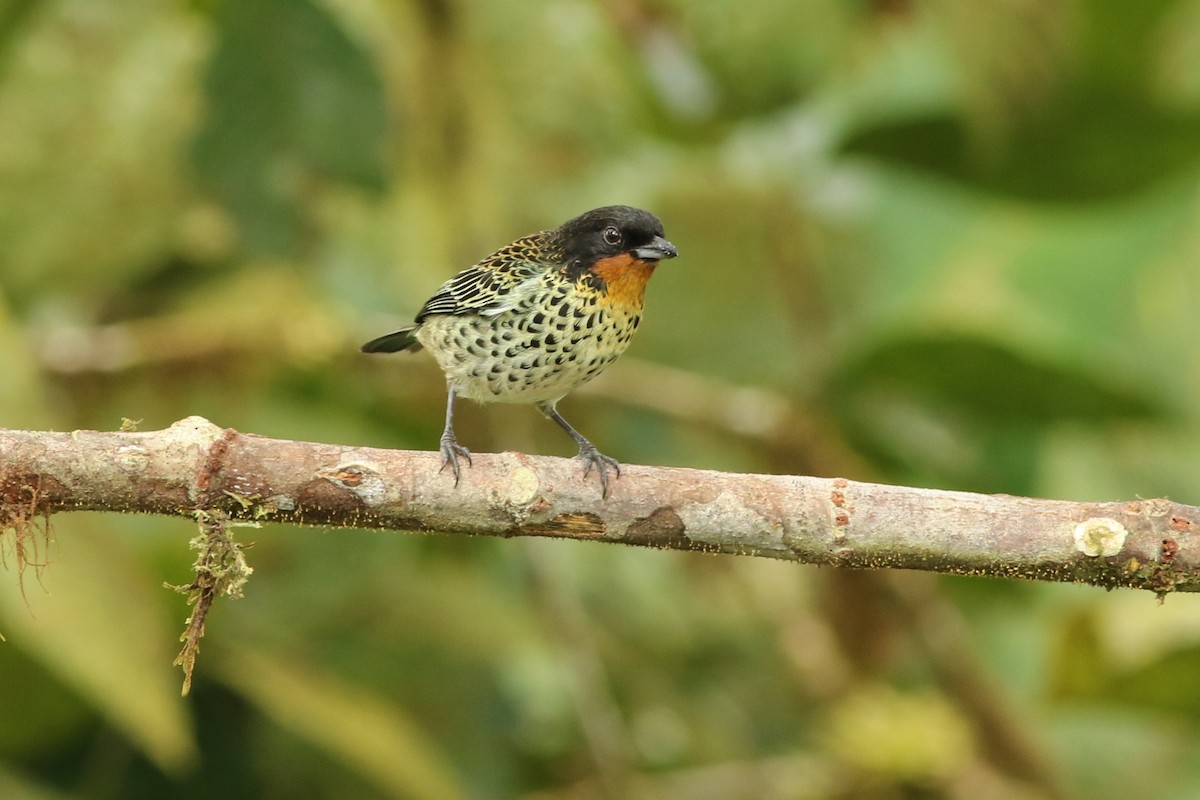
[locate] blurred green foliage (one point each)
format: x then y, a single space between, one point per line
947 244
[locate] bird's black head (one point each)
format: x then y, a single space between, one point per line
610 231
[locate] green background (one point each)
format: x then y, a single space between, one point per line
933 243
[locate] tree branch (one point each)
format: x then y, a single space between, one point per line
194 466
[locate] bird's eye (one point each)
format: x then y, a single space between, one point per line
612 235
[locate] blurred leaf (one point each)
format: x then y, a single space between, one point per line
96 104
1168 684
99 630
1075 142
1079 665
51 715
13 16
1178 56
1130 651
764 61
292 101
988 380
918 737
1061 283
1094 747
959 405
17 787
1134 638
359 727
22 403
1054 156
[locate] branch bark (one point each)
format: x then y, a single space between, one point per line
195 467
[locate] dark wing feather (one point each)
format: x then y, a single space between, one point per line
486 287
403 339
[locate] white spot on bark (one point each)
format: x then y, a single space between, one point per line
1100 536
523 486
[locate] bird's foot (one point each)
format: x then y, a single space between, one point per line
594 458
451 450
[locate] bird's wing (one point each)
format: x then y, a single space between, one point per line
494 285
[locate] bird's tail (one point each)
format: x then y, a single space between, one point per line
403 339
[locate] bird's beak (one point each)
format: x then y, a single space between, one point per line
657 250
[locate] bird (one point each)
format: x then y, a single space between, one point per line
538 318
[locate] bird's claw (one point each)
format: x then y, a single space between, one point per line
451 450
594 458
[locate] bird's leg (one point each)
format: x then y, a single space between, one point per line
451 449
587 450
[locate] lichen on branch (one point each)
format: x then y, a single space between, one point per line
220 571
